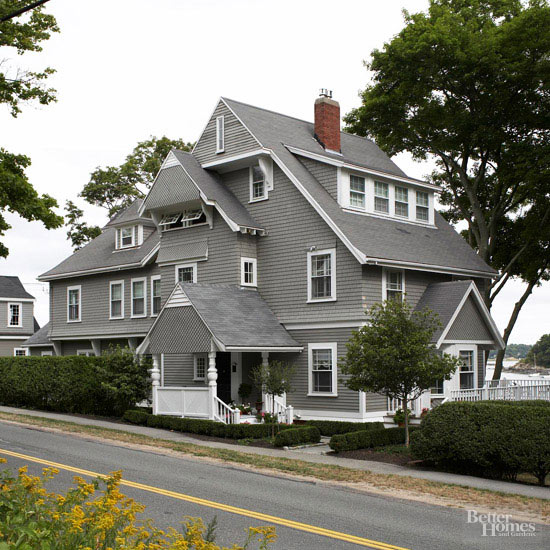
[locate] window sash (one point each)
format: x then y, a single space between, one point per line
169 219
321 276
321 370
116 300
185 274
15 315
258 189
394 285
466 373
357 191
74 304
220 131
138 298
127 237
20 352
422 199
156 297
402 202
200 367
249 273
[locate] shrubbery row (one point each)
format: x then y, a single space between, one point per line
297 436
201 427
367 439
106 385
330 427
491 439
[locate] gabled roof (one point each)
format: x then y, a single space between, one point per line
237 318
129 215
210 189
100 255
11 287
447 300
371 239
39 338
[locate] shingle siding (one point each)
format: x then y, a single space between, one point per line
27 309
237 138
293 228
325 174
469 324
7 346
177 370
95 305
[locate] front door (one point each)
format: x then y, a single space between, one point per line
223 365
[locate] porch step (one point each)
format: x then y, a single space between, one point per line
249 419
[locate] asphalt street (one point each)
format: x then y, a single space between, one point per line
307 515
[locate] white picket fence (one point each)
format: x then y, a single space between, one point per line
506 390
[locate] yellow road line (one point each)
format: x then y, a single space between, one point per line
220 506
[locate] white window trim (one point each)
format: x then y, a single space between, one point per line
220 132
195 357
20 324
137 280
311 254
111 283
364 193
46 354
265 196
79 288
154 278
85 352
385 272
395 201
26 350
473 349
179 266
333 346
416 205
133 230
254 263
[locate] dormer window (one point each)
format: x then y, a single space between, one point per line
381 197
258 189
422 206
402 202
220 137
128 237
357 192
187 218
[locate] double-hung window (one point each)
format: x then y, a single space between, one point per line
74 297
357 192
20 352
258 189
117 300
422 206
402 202
127 237
381 197
15 315
322 362
321 276
200 366
248 272
186 273
466 369
220 134
139 297
394 285
155 295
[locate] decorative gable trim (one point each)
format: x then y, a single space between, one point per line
473 290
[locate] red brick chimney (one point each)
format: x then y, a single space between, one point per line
327 121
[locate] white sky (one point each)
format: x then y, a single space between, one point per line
127 70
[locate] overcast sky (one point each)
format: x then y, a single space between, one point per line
130 69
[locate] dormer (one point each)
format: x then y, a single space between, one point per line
129 236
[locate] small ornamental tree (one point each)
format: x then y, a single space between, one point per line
394 355
275 380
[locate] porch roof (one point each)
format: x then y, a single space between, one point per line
237 318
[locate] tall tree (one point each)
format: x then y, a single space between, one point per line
467 84
21 33
394 355
115 187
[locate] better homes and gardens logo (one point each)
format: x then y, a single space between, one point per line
500 525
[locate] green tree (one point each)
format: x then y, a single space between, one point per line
115 187
467 85
275 380
21 34
393 355
539 354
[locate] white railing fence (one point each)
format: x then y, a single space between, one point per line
224 413
506 390
191 402
277 406
415 405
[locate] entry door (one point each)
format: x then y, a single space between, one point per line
223 364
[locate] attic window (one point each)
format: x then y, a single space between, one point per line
220 137
187 218
127 237
258 189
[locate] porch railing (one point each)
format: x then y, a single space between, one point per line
224 413
189 402
506 390
278 407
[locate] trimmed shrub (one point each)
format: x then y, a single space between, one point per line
253 431
367 439
534 403
136 417
106 385
490 439
297 436
331 427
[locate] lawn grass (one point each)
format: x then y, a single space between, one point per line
391 485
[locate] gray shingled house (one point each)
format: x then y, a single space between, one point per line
17 320
270 241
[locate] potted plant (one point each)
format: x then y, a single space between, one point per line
399 417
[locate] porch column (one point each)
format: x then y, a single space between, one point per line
265 397
96 346
155 377
212 377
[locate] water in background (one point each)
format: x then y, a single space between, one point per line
512 375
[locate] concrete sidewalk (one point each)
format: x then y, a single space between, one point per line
302 454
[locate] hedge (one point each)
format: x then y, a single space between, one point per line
106 385
201 426
331 427
367 439
496 440
297 436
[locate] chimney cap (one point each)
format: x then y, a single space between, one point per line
324 92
